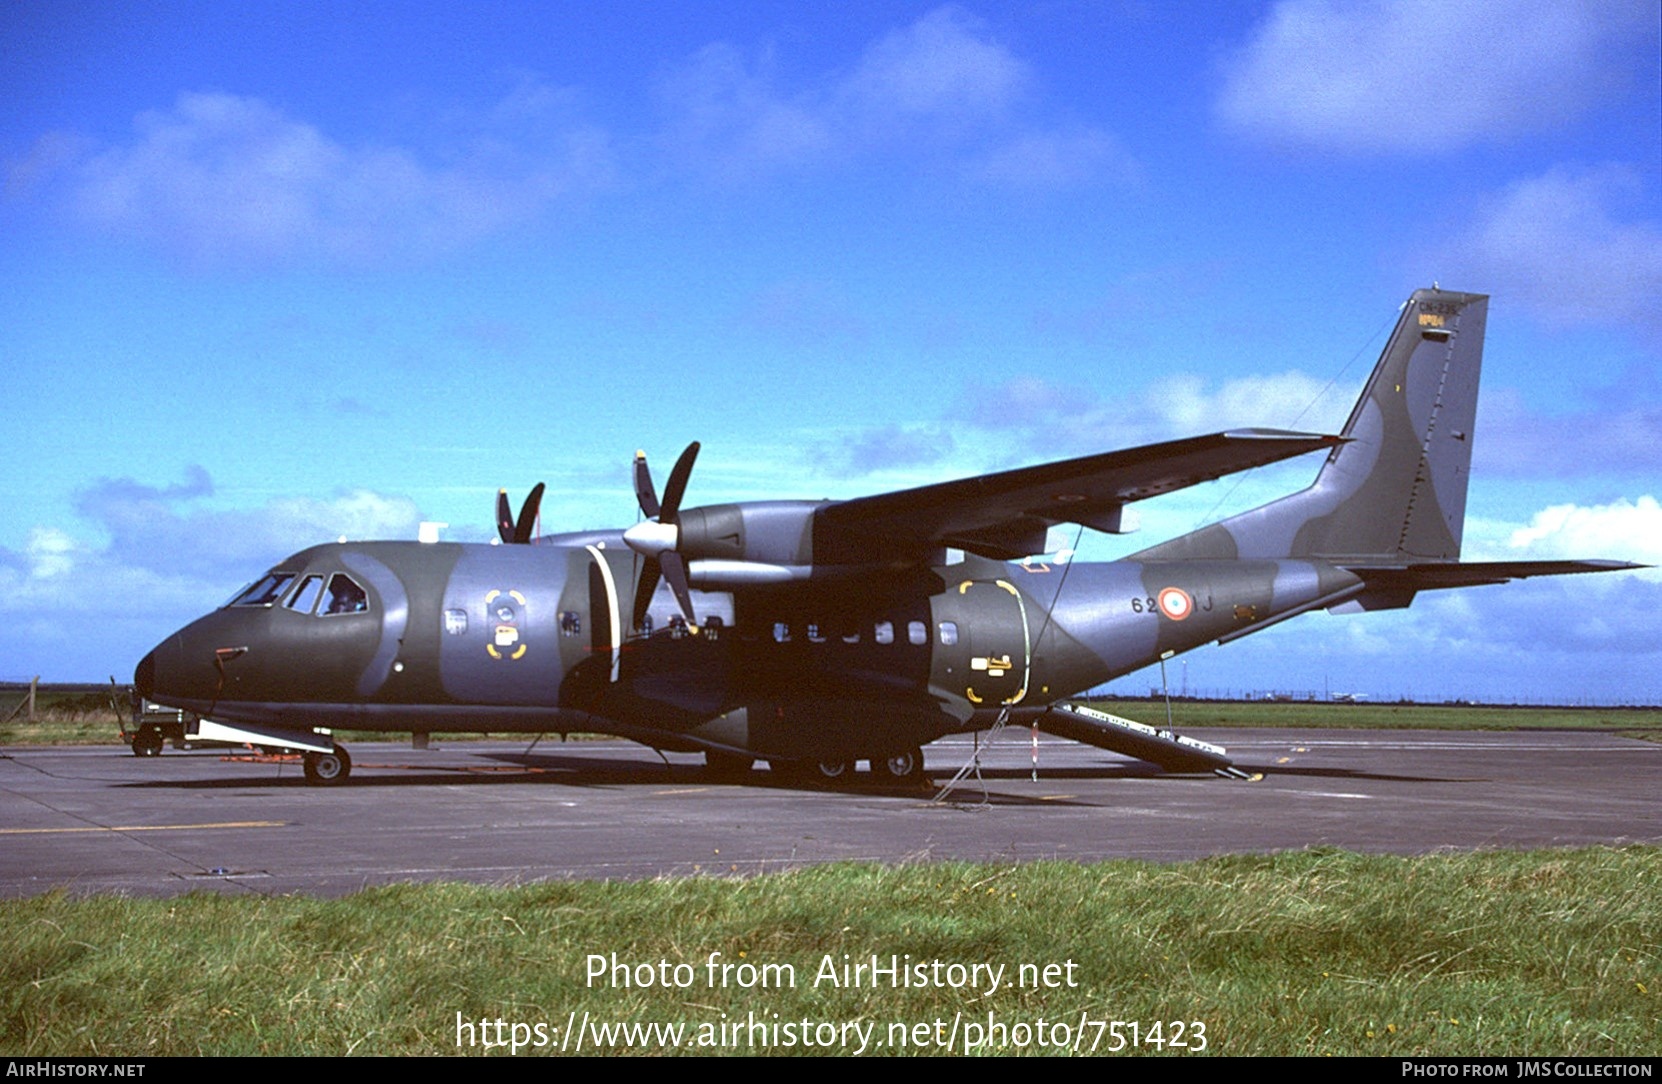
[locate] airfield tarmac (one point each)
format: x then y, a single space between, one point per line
97 819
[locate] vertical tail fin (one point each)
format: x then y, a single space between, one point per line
1396 492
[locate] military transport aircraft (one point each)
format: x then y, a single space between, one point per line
815 634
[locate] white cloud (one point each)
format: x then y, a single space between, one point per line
1060 420
881 449
942 65
1559 243
165 529
732 122
1061 159
223 178
50 553
1618 437
1422 76
1629 530
1601 618
940 86
1280 400
73 609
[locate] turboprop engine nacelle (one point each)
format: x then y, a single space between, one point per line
735 545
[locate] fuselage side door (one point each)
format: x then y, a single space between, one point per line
981 649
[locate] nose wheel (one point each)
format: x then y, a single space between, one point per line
147 742
327 769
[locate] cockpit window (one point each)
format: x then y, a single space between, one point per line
343 596
265 591
306 597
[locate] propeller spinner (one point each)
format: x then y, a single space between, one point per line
656 539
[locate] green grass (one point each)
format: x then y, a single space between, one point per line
61 719
1306 953
1368 716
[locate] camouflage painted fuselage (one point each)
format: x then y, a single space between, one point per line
838 630
474 637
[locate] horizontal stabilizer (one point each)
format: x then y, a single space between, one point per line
1431 575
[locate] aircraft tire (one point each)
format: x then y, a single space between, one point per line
906 767
147 742
834 773
327 769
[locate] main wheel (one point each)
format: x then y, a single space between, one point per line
832 771
147 742
327 769
904 767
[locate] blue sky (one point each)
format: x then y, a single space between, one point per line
276 273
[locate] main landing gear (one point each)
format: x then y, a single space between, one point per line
327 769
903 767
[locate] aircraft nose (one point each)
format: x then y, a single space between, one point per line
144 675
166 674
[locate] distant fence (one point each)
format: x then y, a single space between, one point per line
1301 696
21 699
9 689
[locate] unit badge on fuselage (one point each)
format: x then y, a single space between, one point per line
505 609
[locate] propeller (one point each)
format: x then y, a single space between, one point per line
518 532
656 539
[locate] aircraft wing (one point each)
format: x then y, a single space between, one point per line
1006 515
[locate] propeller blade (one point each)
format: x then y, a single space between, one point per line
645 494
677 485
675 571
645 588
504 517
656 542
527 515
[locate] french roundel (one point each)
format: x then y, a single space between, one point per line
1175 603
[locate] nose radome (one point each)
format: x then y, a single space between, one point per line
144 675
163 674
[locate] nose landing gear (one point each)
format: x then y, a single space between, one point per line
327 769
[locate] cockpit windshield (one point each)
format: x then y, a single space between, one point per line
265 591
323 595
